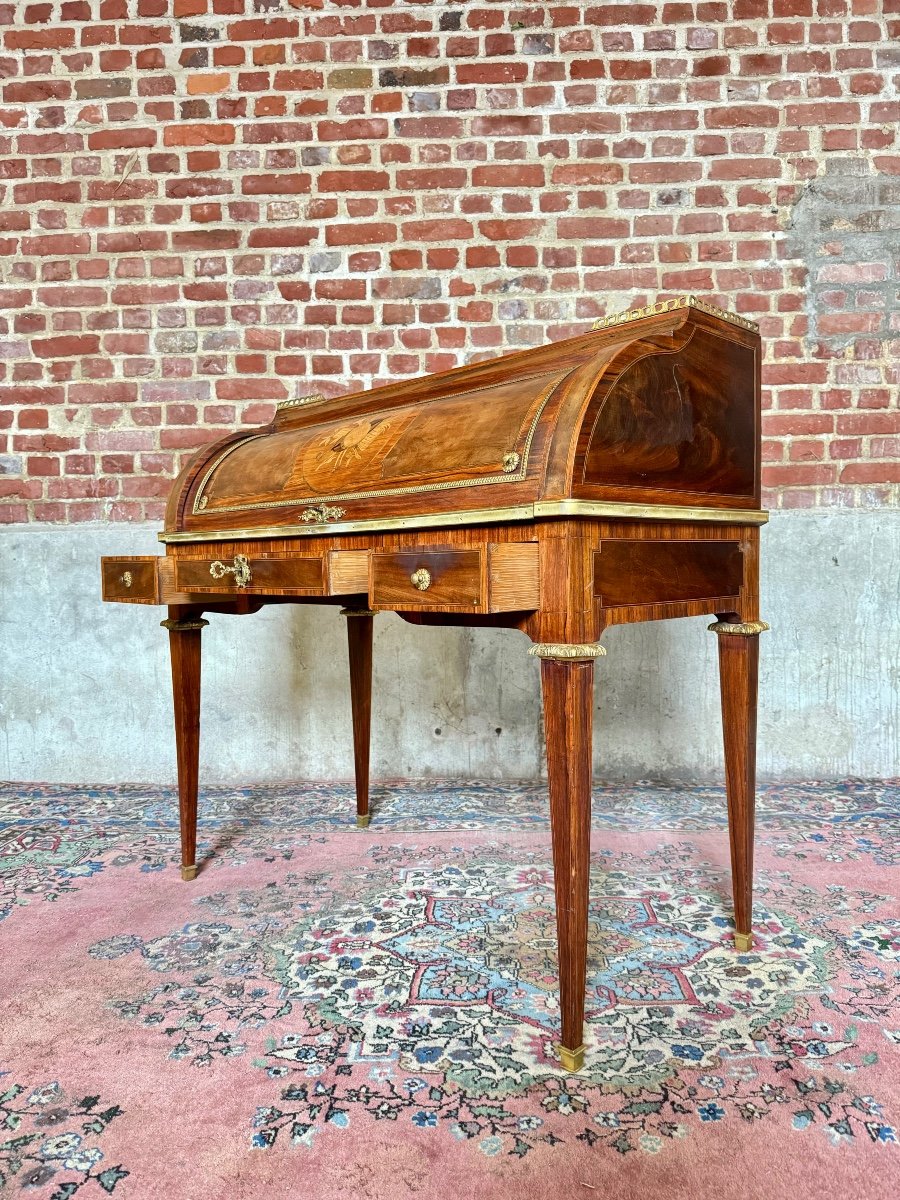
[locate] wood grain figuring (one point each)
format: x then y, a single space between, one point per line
433 443
643 572
348 572
665 410
661 413
738 674
184 651
513 576
287 574
456 580
359 641
568 695
680 418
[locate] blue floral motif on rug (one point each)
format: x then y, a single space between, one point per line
405 976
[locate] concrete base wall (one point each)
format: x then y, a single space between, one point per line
85 691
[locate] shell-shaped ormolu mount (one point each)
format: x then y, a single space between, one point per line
653 414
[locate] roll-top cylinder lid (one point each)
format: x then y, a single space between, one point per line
657 408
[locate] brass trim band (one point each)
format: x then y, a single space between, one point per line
571 1060
484 516
664 306
567 650
741 628
183 624
649 512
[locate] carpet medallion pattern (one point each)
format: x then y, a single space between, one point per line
372 1001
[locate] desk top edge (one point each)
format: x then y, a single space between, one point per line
521 512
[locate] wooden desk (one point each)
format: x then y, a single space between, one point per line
610 478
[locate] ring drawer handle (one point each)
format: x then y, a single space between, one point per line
240 570
421 579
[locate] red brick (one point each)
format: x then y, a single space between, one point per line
39 39
198 135
121 139
876 472
354 181
361 234
265 215
260 30
341 131
524 175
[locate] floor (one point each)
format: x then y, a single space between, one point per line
327 1011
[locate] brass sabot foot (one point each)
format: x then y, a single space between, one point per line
362 820
743 942
189 873
571 1060
739 628
567 650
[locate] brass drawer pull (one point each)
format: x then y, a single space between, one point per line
421 579
240 570
127 578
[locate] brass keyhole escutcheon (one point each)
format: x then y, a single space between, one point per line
127 578
421 579
240 570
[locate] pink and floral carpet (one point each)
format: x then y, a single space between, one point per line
330 1012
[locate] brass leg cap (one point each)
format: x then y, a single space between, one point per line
362 820
571 1060
189 873
743 942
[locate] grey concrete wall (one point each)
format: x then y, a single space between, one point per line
84 687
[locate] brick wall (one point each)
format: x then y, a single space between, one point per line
209 205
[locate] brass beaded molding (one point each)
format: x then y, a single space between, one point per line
299 401
565 650
664 306
741 628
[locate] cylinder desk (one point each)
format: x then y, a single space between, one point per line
609 478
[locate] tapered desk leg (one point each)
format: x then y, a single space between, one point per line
738 678
359 641
184 650
567 683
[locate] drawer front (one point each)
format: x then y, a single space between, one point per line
414 580
250 575
130 580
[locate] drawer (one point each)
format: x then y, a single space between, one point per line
490 578
428 579
130 580
249 575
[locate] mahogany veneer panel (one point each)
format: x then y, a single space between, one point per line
642 572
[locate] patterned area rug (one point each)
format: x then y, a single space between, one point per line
329 1011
